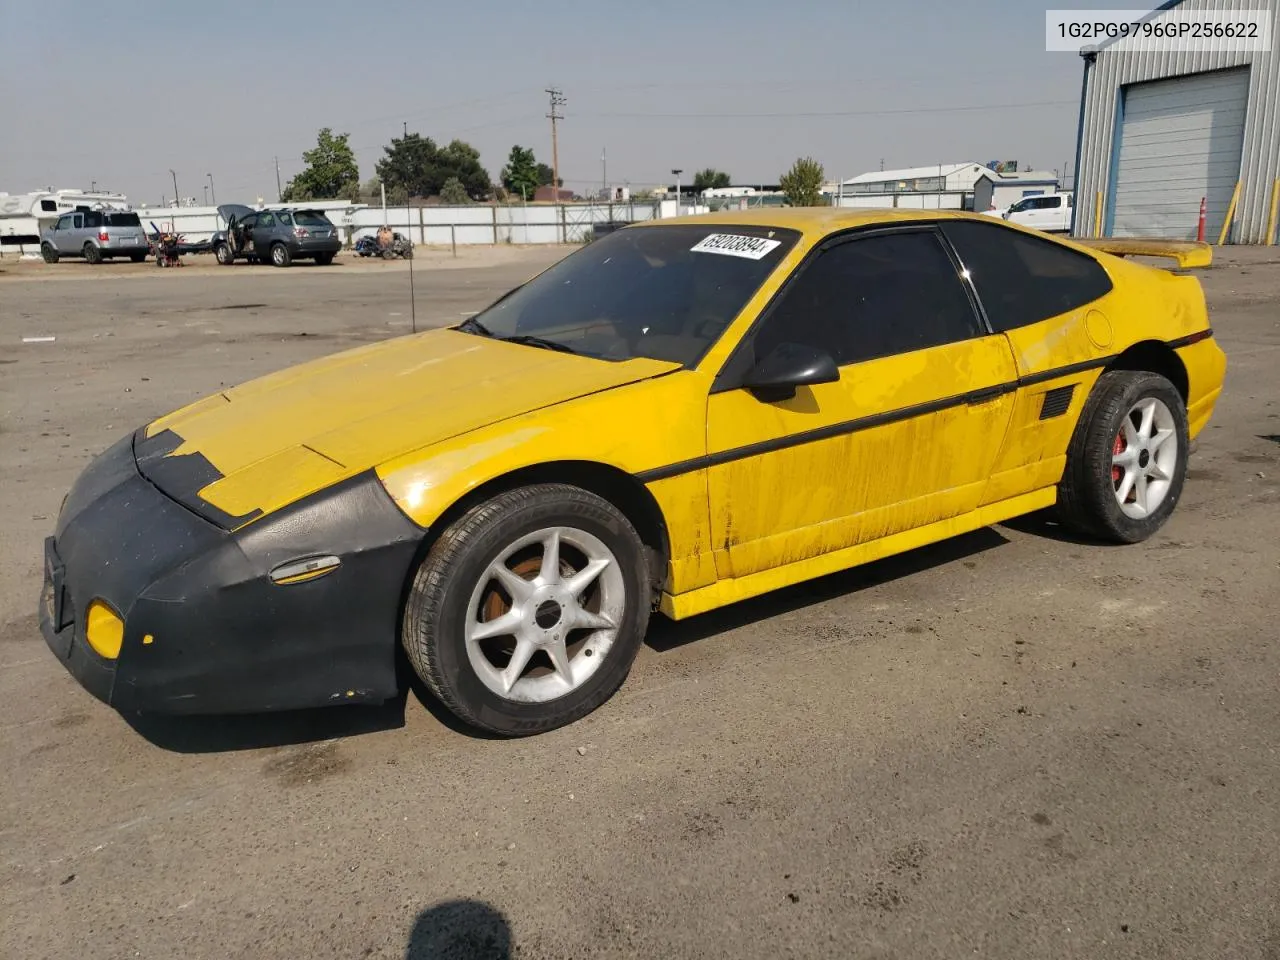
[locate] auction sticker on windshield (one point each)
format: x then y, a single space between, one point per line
736 245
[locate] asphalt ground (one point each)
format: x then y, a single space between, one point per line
1014 744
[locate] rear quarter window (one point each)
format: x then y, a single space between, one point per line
1022 279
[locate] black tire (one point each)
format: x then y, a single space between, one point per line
50 255
137 257
280 255
1087 494
388 254
324 259
92 254
222 253
437 607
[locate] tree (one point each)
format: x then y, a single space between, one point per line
454 192
520 175
803 183
416 164
710 179
330 171
544 176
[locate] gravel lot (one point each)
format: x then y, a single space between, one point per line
1015 744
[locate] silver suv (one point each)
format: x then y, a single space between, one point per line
96 235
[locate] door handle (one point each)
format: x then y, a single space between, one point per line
975 397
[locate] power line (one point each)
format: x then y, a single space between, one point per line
844 113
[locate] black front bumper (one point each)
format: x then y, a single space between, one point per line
205 628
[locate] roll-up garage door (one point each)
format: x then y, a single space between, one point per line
1180 140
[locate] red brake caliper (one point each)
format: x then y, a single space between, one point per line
1117 448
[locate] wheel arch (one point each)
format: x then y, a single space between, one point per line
1154 356
610 483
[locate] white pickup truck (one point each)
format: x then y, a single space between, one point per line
1050 212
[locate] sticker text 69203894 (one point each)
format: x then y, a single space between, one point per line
736 245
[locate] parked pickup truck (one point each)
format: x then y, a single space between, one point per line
1048 212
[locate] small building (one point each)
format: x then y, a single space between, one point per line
550 194
1162 128
942 186
995 191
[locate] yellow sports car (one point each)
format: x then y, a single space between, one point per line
678 416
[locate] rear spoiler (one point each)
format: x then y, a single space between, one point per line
1187 253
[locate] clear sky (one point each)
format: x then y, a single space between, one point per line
121 92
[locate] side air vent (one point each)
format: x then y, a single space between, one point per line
1056 402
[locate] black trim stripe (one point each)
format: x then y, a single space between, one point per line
982 395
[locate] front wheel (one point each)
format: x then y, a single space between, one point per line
1128 458
324 259
222 252
50 255
280 256
529 610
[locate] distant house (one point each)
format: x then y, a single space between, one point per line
995 191
947 186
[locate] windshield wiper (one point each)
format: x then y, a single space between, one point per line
472 325
530 340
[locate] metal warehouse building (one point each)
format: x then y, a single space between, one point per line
1160 130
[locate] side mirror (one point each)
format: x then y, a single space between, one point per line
787 366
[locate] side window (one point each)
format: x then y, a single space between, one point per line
266 221
77 220
64 223
286 219
93 220
873 297
1022 279
48 206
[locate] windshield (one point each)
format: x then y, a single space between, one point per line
666 293
310 218
122 220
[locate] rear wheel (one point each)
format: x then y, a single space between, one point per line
50 255
528 611
222 252
324 259
1128 458
280 256
92 254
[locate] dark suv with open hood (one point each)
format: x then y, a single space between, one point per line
275 236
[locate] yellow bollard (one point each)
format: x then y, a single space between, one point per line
1097 214
1271 220
1231 212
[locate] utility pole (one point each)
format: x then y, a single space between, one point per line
676 174
604 175
557 100
93 186
406 128
175 187
206 195
279 192
212 192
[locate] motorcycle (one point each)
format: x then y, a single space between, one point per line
399 248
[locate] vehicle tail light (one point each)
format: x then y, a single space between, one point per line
102 237
300 232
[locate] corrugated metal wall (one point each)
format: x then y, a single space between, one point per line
1137 61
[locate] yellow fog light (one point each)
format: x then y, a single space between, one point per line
104 630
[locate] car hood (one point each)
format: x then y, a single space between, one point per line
255 448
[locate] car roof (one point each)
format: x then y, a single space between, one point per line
818 221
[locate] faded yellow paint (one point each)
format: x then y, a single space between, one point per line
440 415
1185 253
794 503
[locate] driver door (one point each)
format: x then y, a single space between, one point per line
907 435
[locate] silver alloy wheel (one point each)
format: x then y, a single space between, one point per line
278 254
570 610
1144 458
